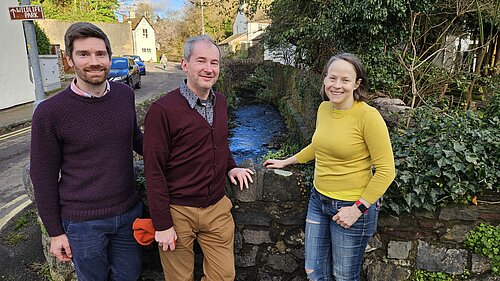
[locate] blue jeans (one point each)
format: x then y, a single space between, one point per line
330 248
105 248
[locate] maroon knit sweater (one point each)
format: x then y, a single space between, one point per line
186 160
81 161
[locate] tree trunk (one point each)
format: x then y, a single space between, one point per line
488 68
496 65
477 73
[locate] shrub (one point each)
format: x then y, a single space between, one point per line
492 111
284 152
446 157
484 239
421 275
140 181
42 41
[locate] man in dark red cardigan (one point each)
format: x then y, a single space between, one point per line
187 159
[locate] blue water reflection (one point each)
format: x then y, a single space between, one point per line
256 125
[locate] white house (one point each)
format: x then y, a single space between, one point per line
256 27
454 51
251 28
283 54
144 39
17 82
240 23
246 33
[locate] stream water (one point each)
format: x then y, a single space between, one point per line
255 127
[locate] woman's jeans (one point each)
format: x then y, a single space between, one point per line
105 249
327 242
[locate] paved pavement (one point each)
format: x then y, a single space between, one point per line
21 114
16 115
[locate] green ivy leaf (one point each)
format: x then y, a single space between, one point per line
458 167
471 159
458 147
449 153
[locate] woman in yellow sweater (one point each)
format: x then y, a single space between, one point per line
354 166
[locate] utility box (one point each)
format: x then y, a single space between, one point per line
50 72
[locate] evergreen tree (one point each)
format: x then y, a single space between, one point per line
79 10
42 41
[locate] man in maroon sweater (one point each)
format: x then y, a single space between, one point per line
187 159
81 164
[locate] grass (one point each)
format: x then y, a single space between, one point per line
16 238
18 235
21 222
42 270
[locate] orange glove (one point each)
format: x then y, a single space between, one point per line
144 231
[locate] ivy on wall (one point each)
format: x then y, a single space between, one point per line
445 157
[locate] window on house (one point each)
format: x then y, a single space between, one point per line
145 33
143 50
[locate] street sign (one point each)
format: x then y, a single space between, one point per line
29 12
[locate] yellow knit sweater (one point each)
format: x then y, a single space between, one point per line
345 145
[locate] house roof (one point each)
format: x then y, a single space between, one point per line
259 37
234 37
135 22
262 20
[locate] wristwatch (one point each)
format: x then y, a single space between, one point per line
361 207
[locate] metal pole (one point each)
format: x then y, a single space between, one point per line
29 33
202 20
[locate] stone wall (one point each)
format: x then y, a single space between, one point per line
270 220
431 241
59 271
269 236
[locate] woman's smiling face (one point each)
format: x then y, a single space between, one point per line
340 83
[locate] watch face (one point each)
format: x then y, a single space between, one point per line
362 208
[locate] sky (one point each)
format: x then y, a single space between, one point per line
159 6
162 5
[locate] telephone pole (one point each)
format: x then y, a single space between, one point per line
202 20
